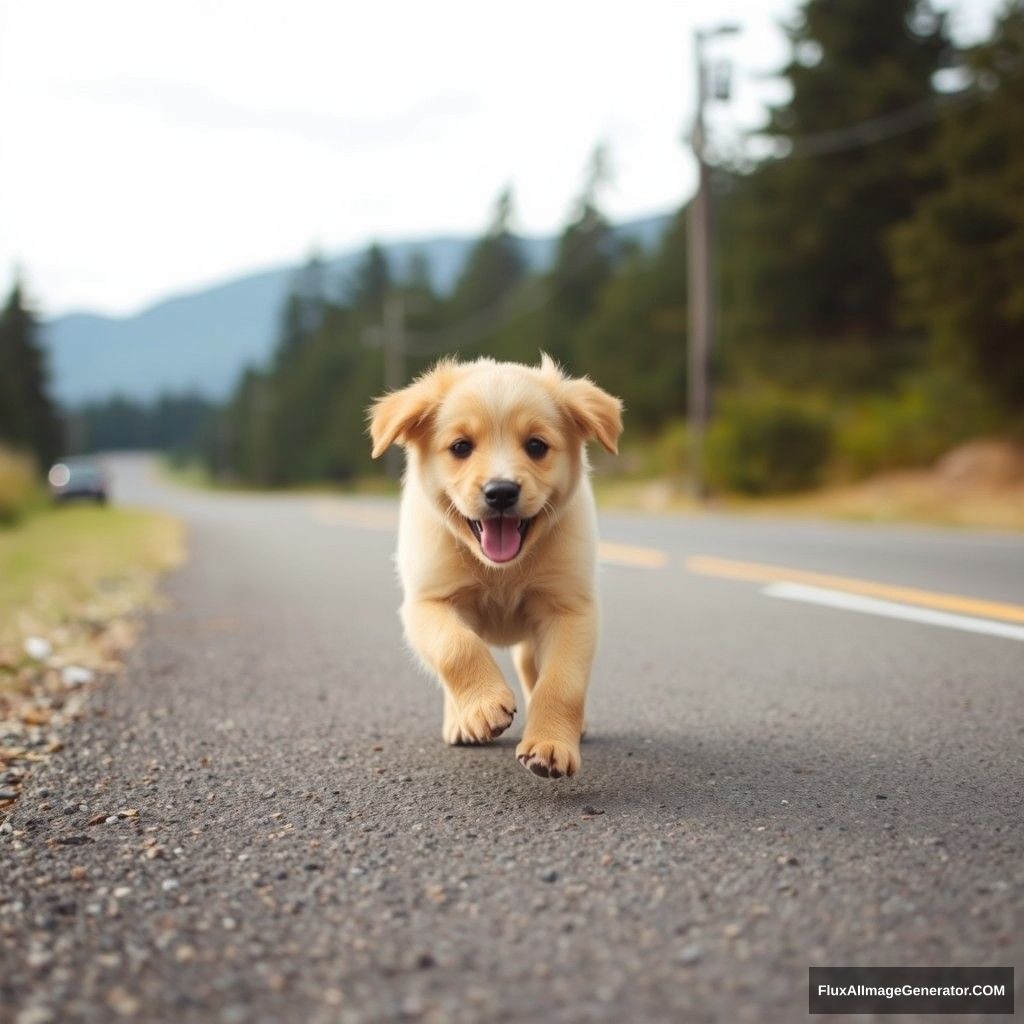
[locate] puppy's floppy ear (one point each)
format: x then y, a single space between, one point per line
596 413
396 416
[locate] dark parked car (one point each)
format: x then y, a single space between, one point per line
78 480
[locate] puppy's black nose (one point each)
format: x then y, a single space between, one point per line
501 494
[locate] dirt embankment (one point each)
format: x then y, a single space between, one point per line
979 484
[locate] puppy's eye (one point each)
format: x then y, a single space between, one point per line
462 449
536 448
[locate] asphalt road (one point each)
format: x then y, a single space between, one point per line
769 783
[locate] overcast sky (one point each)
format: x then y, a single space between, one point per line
151 147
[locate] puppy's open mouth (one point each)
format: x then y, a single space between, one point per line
501 537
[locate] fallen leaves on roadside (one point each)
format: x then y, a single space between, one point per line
44 681
36 716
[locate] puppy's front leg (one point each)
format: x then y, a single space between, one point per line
478 703
565 652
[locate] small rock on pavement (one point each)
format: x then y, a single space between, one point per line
169 884
690 955
35 1015
122 1002
549 876
76 675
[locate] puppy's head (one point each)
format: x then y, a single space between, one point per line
498 448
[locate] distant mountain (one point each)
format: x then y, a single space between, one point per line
202 340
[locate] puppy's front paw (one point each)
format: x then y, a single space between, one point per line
479 717
550 759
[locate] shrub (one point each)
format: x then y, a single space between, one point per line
932 412
671 450
19 488
767 444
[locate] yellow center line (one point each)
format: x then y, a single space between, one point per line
756 572
628 554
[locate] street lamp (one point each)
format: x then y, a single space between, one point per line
701 256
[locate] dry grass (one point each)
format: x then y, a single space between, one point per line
910 497
979 485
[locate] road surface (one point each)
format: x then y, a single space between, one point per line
775 777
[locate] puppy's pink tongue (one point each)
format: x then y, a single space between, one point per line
500 538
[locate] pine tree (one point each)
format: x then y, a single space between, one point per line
495 265
372 283
583 261
959 257
636 335
807 232
28 416
417 276
304 307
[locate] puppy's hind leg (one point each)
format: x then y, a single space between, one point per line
524 657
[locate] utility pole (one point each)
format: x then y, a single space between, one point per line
392 338
700 239
699 246
393 341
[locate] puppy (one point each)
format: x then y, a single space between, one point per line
497 543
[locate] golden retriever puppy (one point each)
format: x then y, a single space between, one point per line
497 543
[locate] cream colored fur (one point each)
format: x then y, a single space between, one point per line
543 603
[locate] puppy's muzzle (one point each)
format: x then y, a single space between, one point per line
501 495
502 530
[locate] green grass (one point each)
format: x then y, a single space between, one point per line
65 562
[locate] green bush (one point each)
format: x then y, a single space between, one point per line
19 487
646 456
767 444
670 452
664 454
932 412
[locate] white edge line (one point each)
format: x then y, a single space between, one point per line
874 606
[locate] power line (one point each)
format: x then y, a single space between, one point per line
876 129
